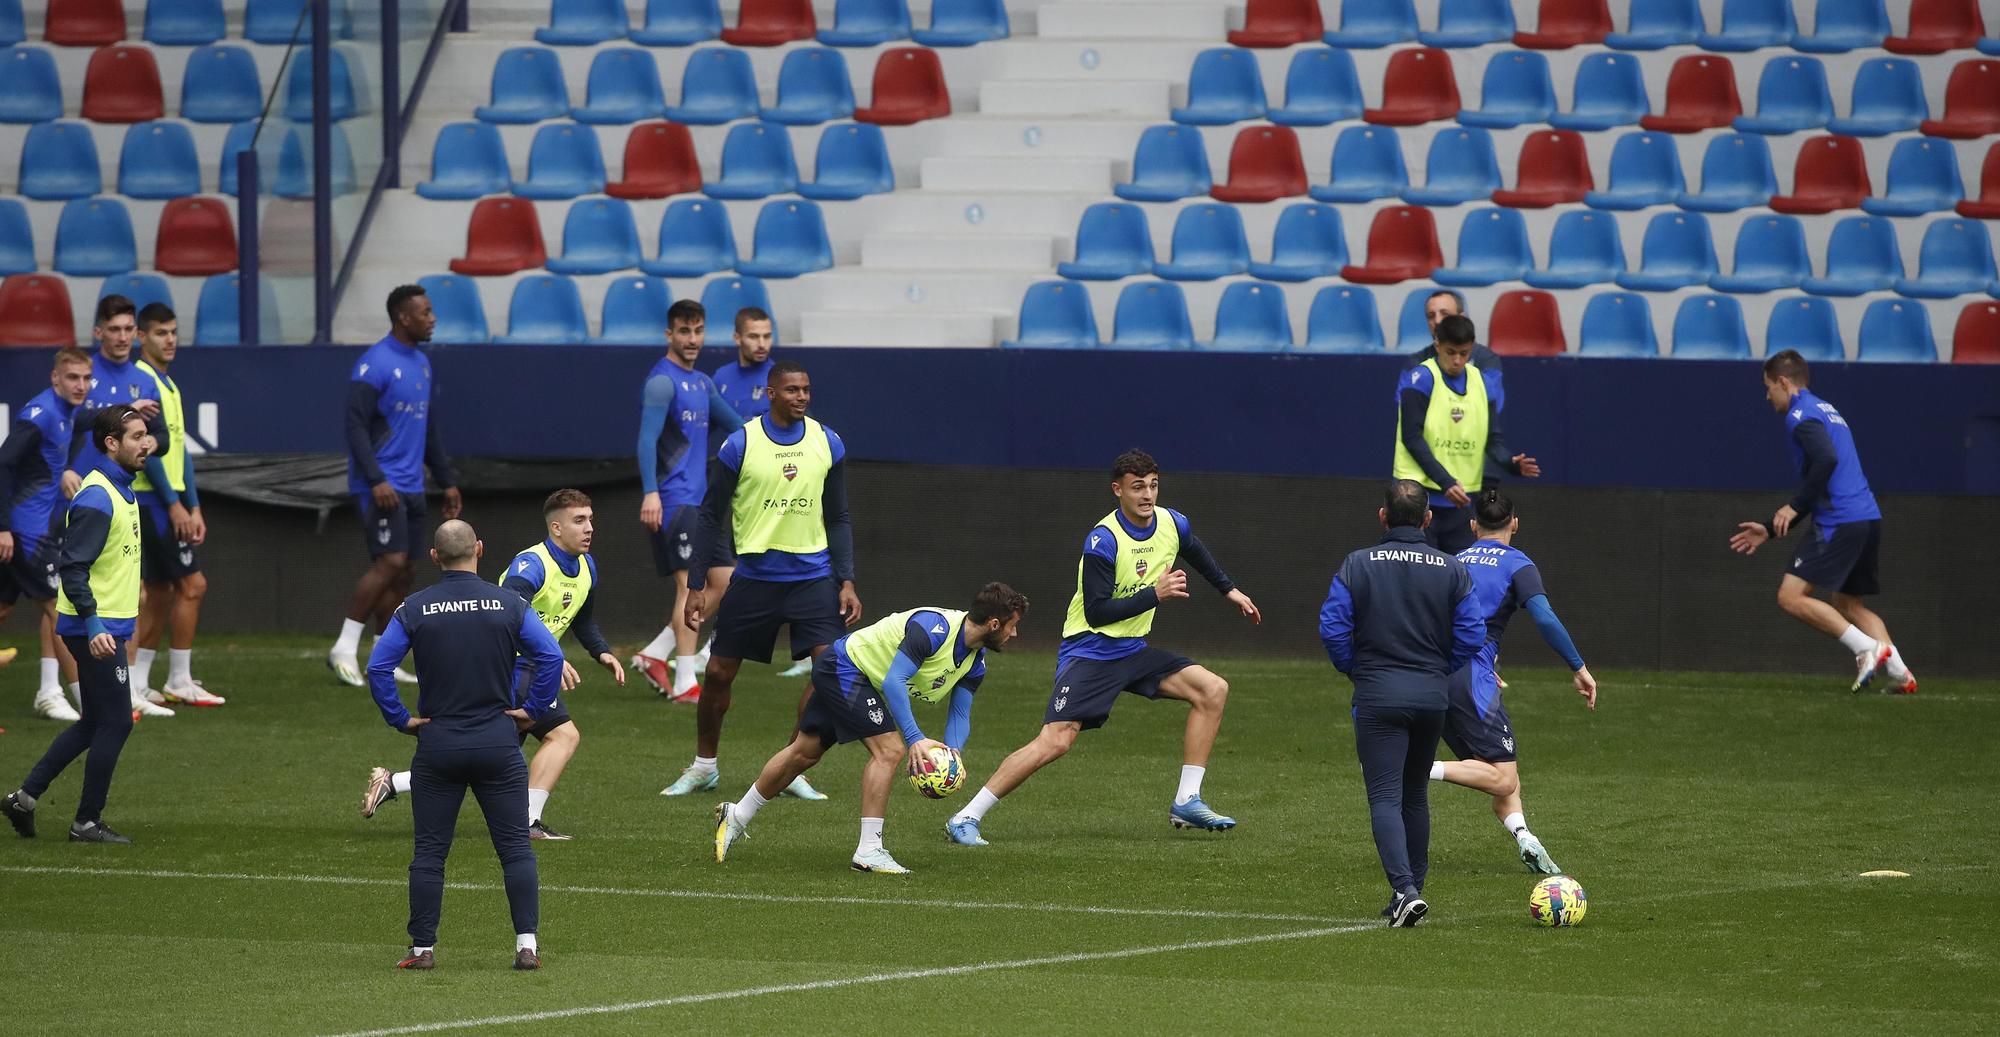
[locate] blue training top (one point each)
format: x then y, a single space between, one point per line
31 465
745 388
1505 579
923 635
397 429
1844 496
677 408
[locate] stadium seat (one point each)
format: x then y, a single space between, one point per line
1460 167
17 239
1402 246
122 84
1526 323
469 160
158 160
1710 327
909 88
1617 324
461 315
1584 249
1887 97
962 23
678 23
1374 23
218 316
1807 324
1343 320
1974 340
564 161
1279 23
1896 331
867 23
1321 88
757 162
1656 24
1264 166
1413 331
1561 24
142 289
812 88
502 237
1751 24
1055 315
528 87
1224 86
1988 45
1792 95
1937 26
13 28
1152 315
94 238
1309 242
1645 171
1987 205
546 310
299 87
790 240
235 142
1861 256
1417 87
278 21
599 236
59 161
1701 94
1971 103
1492 247
220 84
1609 91
34 308
1677 252
1367 164
1736 173
1553 170
635 312
1470 23
852 161
659 161
584 23
1168 163
723 296
1208 243
1831 173
1956 258
30 90
1112 241
1515 89
624 87
84 23
1251 318
717 86
183 23
197 237
695 239
768 23
1923 178
1843 25
1770 254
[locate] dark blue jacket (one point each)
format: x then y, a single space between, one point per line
1399 619
466 634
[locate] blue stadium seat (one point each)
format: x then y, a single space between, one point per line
237 140
1056 315
528 87
1896 331
1584 249
183 23
962 23
1460 167
1956 258
1516 90
277 21
582 23
1609 91
1770 254
1736 173
635 312
1677 253
341 102
1470 23
1413 331
1208 243
30 90
13 28
461 315
1752 24
757 162
1374 23
852 161
546 310
220 84
695 239
59 160
1169 163
142 289
678 23
599 236
1807 324
1792 95
1843 25
1861 256
717 86
1251 318
1152 315
1710 327
295 163
1888 97
1492 247
1618 324
1112 241
1988 45
469 160
1659 23
1224 86
1343 320
865 23
1923 178
217 314
94 238
1367 165
1309 242
158 160
1321 88
790 240
564 161
17 239
723 296
812 88
624 87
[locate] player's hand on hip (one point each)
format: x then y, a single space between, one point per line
650 513
1457 495
71 482
1171 584
570 678
850 604
454 502
610 662
1586 685
1781 523
1246 606
103 646
522 721
384 496
691 616
919 750
200 527
413 723
6 546
1527 466
182 522
1748 538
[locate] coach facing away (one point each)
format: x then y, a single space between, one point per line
1399 619
466 634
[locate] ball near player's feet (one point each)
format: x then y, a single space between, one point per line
1557 901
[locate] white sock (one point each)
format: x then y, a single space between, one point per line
662 644
747 807
180 661
537 799
703 765
526 942
51 673
1515 823
1190 784
76 694
400 781
1437 771
706 645
684 673
349 641
421 950
142 668
871 835
1897 670
1855 641
976 810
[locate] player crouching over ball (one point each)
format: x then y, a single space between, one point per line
862 689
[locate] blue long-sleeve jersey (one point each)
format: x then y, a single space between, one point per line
836 561
1504 579
390 435
113 383
466 634
31 464
677 408
923 635
1399 619
1833 489
745 387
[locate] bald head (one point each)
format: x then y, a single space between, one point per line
456 546
1406 504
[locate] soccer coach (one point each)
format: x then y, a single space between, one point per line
1399 619
466 634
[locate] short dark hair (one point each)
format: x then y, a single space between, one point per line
686 311
747 314
1406 503
156 314
565 498
1133 462
400 295
783 368
1447 293
70 355
113 305
1456 329
1788 364
1493 510
110 423
997 601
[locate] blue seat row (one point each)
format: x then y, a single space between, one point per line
717 86
600 236
184 23
547 309
1838 25
59 161
216 306
857 23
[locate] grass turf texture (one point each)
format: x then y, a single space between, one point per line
1717 822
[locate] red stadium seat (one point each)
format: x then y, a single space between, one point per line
1264 165
504 236
122 84
84 23
1937 26
1279 23
659 161
768 23
34 311
909 87
1567 23
197 238
1975 341
1526 323
1971 102
1987 205
1830 174
1701 94
1402 246
1417 87
1553 170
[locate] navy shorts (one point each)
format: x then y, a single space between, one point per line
673 542
1841 558
1450 530
29 574
162 557
557 716
394 532
752 610
838 717
1475 724
1086 689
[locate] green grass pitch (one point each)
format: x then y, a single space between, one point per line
1718 823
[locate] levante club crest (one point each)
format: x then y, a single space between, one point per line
1457 414
791 472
